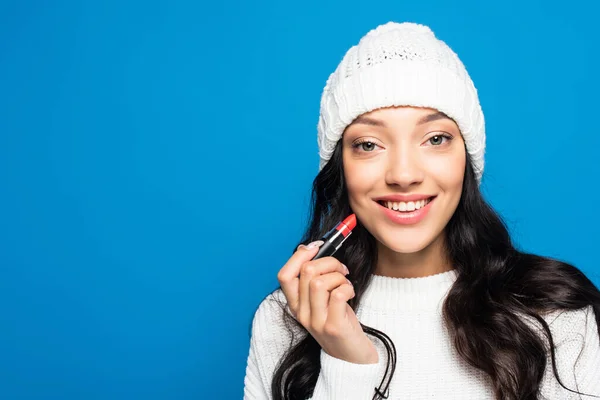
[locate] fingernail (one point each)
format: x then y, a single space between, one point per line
350 283
316 243
345 269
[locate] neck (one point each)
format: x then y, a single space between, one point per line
429 261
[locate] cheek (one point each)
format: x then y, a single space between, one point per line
359 178
448 171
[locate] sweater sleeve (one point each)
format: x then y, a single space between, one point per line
577 351
342 380
270 340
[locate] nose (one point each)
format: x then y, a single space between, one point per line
404 168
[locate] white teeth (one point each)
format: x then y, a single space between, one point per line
406 206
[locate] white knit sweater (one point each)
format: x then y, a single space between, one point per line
409 311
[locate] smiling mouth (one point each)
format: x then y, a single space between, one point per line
405 206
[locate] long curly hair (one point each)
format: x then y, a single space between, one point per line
490 333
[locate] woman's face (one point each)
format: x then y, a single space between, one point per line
404 153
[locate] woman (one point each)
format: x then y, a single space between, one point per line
448 308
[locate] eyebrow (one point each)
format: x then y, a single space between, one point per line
376 122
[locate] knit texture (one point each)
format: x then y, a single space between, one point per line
409 311
400 64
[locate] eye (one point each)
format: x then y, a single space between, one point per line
438 140
365 145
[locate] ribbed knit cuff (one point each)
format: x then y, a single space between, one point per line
342 380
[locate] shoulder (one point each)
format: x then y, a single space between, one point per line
271 325
573 325
566 325
577 351
270 310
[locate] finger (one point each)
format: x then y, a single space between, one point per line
288 274
338 304
308 272
320 288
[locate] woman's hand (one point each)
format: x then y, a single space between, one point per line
317 293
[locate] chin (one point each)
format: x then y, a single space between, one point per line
406 247
406 244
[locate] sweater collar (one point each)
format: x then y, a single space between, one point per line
422 293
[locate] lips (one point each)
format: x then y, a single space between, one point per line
407 217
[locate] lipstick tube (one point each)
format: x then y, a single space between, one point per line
335 237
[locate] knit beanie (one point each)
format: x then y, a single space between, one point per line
401 64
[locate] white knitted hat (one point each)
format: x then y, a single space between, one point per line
401 64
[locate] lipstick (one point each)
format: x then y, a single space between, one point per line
335 237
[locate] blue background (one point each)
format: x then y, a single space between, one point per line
156 160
